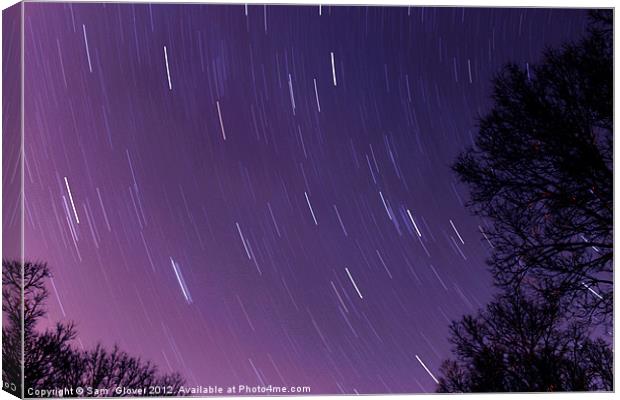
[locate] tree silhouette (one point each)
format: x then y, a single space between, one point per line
51 360
521 345
541 177
541 174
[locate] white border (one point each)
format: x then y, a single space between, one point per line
458 3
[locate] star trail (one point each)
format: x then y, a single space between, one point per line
252 194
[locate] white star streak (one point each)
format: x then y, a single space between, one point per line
247 317
587 241
167 68
316 94
354 284
457 232
485 236
62 309
385 206
181 281
334 69
344 307
219 114
592 290
310 207
90 66
105 214
273 218
414 224
247 251
340 220
427 370
77 219
290 89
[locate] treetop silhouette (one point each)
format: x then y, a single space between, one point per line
541 177
541 174
522 345
51 360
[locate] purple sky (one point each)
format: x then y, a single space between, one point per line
273 204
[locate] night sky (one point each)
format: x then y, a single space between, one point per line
263 195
